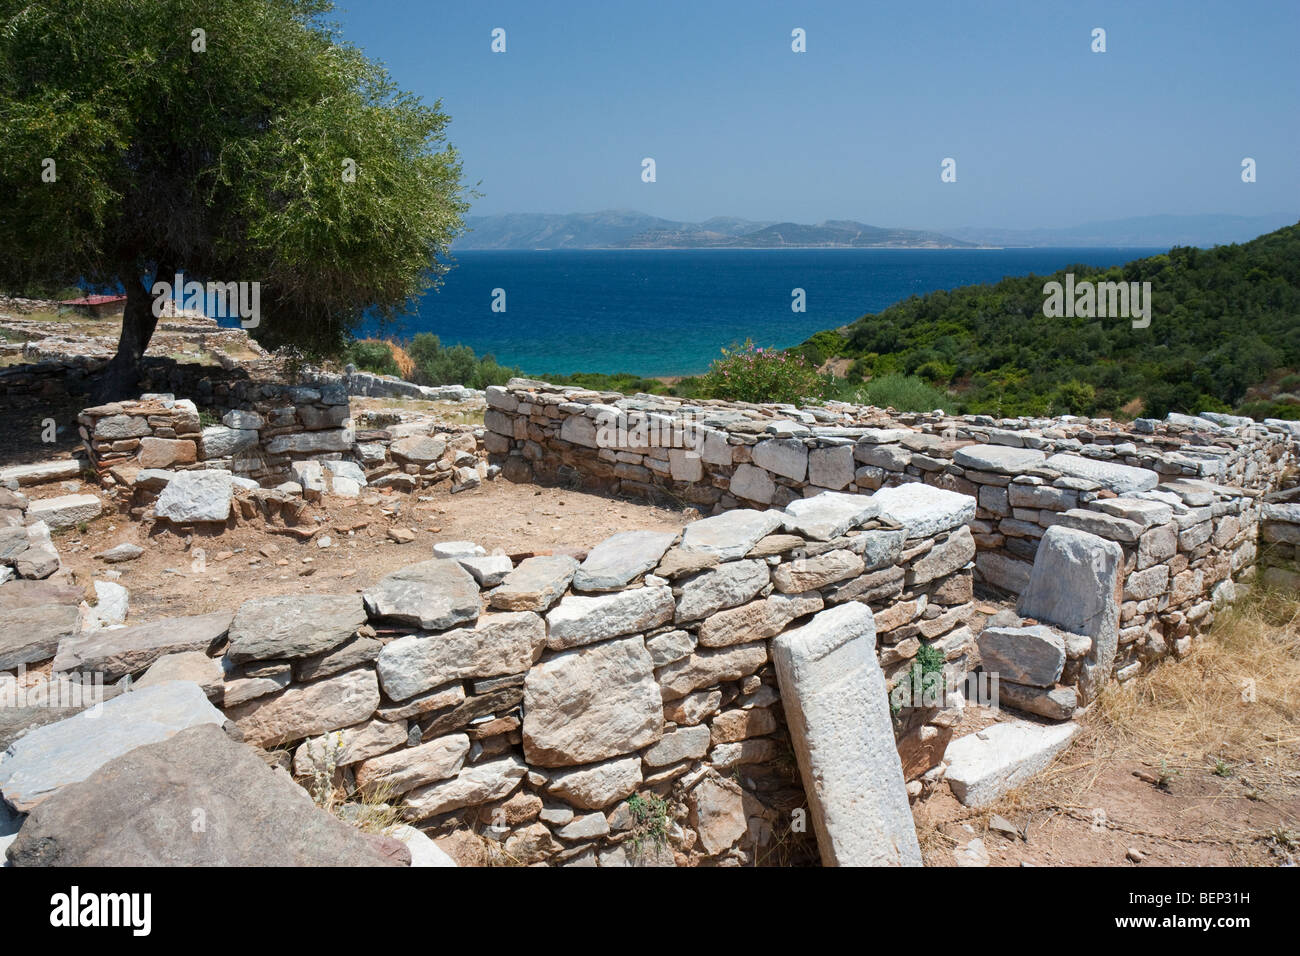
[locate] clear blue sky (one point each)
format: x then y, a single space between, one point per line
1044 131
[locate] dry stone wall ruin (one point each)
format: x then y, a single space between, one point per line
801 653
1181 499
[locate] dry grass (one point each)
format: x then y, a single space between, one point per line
405 364
1230 709
1235 699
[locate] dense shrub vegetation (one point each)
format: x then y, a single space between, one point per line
1224 322
753 374
426 361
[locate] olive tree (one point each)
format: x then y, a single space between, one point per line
232 140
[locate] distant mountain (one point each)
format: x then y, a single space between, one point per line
1158 232
627 229
619 229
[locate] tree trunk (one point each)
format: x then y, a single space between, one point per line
120 379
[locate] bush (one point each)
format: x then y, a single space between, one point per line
903 393
1075 398
753 374
425 361
372 355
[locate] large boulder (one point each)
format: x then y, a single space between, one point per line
1026 655
42 762
198 799
434 594
1075 585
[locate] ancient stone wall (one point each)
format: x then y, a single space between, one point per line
269 427
1179 496
533 699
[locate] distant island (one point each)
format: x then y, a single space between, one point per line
634 230
627 229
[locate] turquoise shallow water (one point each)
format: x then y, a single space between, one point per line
669 312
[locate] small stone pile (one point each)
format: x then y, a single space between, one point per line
284 424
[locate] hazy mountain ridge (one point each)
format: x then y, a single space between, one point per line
618 229
628 229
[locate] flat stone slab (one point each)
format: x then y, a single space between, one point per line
130 650
196 496
923 510
41 472
476 783
835 701
828 515
65 511
620 559
730 535
30 634
985 765
306 710
138 809
434 595
578 619
536 584
1001 459
293 626
16 594
1118 478
1031 655
497 644
39 764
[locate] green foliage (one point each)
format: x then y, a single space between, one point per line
823 345
929 660
903 393
650 818
624 382
227 163
371 356
749 373
1223 320
435 363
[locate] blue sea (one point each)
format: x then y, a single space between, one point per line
670 312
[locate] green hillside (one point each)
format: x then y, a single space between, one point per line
1224 335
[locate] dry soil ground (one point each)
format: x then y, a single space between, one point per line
1195 763
180 574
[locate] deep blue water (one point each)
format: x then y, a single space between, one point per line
669 312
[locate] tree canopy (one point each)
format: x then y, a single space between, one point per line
233 140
